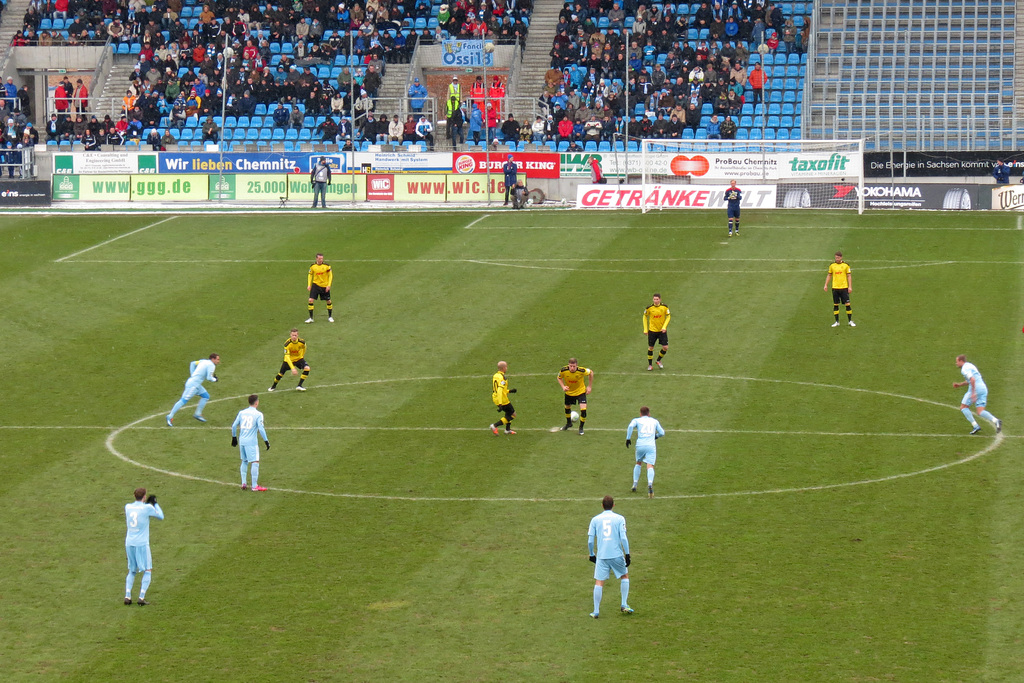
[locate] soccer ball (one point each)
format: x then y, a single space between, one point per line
574 416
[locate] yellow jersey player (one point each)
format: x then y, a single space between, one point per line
318 284
842 287
576 382
656 317
294 360
499 395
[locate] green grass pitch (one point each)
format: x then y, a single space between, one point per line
821 513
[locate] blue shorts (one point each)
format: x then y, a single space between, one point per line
980 401
192 390
615 564
646 454
139 558
733 211
249 453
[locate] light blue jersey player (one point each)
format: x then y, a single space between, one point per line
648 430
976 395
199 371
248 425
609 551
136 542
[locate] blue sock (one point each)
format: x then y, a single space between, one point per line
636 474
245 471
650 476
598 590
624 586
177 406
146 578
988 416
129 581
202 403
255 473
967 414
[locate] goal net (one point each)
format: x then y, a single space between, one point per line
789 174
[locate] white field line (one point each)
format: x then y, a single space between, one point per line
995 443
747 226
114 239
470 226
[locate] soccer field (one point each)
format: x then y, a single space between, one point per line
821 513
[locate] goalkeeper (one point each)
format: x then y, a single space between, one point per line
244 430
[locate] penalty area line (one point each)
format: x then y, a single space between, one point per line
114 239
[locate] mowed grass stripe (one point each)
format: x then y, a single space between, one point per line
1003 658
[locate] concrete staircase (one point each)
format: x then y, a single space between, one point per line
114 87
11 23
393 87
536 58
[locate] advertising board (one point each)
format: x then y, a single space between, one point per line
104 163
113 188
262 162
533 164
670 196
931 196
1008 198
169 188
341 188
474 188
24 193
249 187
917 164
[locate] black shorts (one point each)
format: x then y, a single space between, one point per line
840 296
507 409
657 338
318 292
573 400
299 364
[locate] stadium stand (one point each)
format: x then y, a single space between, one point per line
685 62
915 75
301 67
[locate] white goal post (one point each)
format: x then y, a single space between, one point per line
796 174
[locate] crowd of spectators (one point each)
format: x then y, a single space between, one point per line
678 69
304 61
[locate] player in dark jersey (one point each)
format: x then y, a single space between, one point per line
733 196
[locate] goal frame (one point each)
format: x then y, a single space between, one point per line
766 162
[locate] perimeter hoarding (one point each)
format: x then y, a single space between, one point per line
1008 198
928 196
533 164
102 188
25 193
341 189
104 163
250 187
670 196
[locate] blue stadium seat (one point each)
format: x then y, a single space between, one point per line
278 135
604 146
305 135
261 110
769 133
289 146
252 134
590 146
265 134
291 134
243 122
743 134
782 134
563 146
618 146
